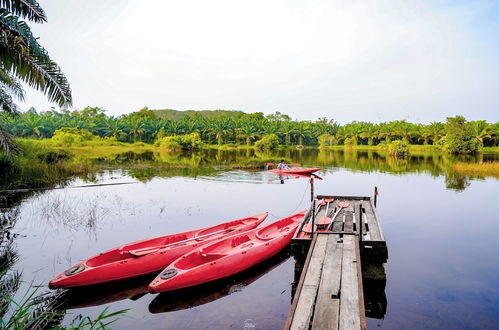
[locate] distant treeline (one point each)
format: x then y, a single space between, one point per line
236 127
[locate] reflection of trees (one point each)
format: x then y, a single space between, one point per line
456 181
9 279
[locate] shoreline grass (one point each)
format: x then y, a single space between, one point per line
488 169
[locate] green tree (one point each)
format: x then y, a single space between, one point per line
459 138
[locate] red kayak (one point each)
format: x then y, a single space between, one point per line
148 256
228 256
295 170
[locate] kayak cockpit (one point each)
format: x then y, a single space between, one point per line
198 258
274 230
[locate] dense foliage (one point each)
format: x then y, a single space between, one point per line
398 148
241 128
460 137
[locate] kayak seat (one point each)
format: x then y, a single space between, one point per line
210 256
264 236
238 240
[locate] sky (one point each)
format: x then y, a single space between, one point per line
344 60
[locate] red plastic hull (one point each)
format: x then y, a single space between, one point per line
126 261
228 256
295 171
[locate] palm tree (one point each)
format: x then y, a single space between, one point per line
436 130
22 58
369 132
302 130
288 129
481 130
112 127
248 131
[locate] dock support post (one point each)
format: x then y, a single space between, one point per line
312 187
313 218
375 195
361 227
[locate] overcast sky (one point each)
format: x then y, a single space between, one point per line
347 60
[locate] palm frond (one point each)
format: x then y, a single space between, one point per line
6 102
34 68
13 27
29 9
11 84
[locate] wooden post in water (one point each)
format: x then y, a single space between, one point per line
313 218
375 195
311 187
361 225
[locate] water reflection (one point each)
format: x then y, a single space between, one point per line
95 295
442 250
207 163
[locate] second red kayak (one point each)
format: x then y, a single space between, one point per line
295 171
148 256
228 256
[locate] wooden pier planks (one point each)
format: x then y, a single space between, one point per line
349 306
307 293
329 295
327 309
373 244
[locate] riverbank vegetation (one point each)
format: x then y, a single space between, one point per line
488 169
456 135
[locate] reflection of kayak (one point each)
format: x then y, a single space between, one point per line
205 293
298 175
295 171
147 256
106 293
227 257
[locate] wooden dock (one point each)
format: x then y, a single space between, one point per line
329 293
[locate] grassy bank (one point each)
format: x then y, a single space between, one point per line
490 169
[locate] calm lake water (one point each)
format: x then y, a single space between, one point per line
442 232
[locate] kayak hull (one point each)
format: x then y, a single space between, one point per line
228 256
149 255
295 171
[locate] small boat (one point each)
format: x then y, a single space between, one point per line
228 256
149 255
295 170
206 293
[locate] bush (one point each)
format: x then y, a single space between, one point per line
268 142
326 140
349 142
180 142
68 136
382 145
459 138
398 148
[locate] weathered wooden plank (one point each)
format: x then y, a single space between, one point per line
306 301
372 222
362 309
382 236
299 287
327 307
349 304
348 221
